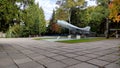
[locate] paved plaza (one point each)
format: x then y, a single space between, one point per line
28 53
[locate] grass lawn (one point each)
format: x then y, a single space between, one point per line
41 38
83 40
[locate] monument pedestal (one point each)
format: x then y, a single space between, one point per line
69 36
117 35
78 36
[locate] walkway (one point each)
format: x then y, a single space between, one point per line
27 53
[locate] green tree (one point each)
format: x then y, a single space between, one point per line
103 3
73 3
95 17
42 25
30 20
8 11
61 14
64 12
34 20
76 17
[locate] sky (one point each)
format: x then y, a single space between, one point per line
49 5
91 3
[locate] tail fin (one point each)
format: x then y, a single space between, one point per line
87 28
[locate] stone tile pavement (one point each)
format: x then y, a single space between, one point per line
28 53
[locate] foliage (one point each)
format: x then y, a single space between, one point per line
115 10
96 17
73 3
64 11
75 16
8 11
53 27
30 19
103 3
34 20
61 14
13 31
17 31
42 25
96 14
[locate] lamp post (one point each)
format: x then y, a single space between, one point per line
107 29
69 17
61 3
107 23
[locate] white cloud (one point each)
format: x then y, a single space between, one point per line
48 6
91 2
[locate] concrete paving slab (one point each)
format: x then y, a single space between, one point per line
9 66
59 57
56 65
82 58
45 54
70 61
6 62
110 58
113 65
21 61
98 62
31 64
17 56
50 54
38 57
91 55
83 65
46 60
3 55
70 55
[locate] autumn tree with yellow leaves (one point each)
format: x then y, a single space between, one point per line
114 7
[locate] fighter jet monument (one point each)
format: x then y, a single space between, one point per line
74 29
